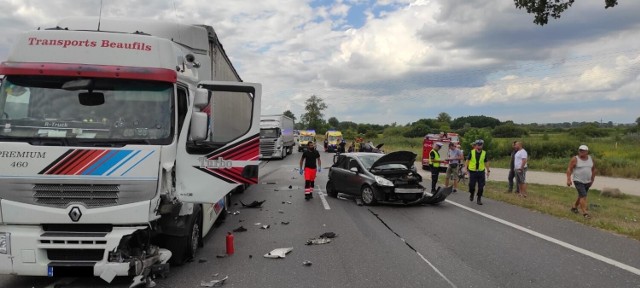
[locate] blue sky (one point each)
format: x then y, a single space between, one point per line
398 61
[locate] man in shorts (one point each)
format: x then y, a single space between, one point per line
455 157
309 157
520 168
581 173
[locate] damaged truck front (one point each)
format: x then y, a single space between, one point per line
119 149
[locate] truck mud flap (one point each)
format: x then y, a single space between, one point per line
440 195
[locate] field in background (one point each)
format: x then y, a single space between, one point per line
614 157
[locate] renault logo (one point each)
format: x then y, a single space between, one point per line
75 214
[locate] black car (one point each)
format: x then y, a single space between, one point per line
377 177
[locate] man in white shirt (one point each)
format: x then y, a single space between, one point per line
520 167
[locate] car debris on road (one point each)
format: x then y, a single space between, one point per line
240 229
254 204
307 263
214 283
318 241
278 253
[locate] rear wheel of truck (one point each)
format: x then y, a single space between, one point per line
183 248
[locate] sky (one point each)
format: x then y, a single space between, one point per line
397 61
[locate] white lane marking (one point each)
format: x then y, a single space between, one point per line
437 271
324 200
552 240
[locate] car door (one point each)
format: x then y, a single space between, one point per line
353 179
338 174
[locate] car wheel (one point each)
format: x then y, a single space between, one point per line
331 189
368 196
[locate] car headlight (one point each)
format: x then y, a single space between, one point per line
383 182
5 242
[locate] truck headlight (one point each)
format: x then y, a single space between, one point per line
5 242
383 182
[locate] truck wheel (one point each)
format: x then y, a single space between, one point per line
368 196
331 189
290 150
184 248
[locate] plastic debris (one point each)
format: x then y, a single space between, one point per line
284 222
214 283
289 202
202 260
280 211
257 224
265 227
221 256
328 235
236 213
307 263
318 241
254 204
278 253
359 202
290 187
240 229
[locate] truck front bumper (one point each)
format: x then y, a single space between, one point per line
31 249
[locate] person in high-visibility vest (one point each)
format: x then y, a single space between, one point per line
477 165
434 162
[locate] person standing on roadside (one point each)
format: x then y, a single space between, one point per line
309 157
454 157
581 172
477 163
520 164
512 171
434 162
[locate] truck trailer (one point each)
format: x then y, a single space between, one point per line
276 136
121 143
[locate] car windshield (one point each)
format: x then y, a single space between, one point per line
333 138
368 160
36 107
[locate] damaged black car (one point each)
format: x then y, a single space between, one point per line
380 178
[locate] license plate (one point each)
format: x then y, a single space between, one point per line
408 190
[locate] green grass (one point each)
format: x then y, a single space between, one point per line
618 215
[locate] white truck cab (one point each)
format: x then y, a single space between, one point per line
120 144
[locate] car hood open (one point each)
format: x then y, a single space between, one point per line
406 158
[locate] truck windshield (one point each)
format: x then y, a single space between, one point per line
269 133
75 111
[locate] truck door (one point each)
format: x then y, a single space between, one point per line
222 146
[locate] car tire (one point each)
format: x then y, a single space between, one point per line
368 195
331 189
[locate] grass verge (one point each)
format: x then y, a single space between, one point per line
619 215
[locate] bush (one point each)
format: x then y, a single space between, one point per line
371 135
417 130
509 131
474 134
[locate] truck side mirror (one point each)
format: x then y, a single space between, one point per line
201 99
199 126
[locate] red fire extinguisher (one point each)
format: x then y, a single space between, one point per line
230 248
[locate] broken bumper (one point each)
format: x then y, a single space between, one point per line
35 252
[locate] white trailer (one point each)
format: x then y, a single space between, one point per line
276 136
120 143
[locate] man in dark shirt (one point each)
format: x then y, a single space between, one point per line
309 157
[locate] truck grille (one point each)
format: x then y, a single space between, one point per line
267 148
75 254
61 195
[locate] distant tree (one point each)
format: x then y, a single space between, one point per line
290 115
509 131
542 9
313 119
417 130
638 121
370 135
475 121
334 123
444 117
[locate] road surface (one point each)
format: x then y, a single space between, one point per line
455 244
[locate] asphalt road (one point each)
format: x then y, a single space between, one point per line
454 244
